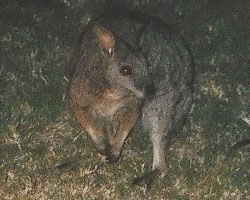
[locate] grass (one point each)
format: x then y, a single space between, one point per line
44 155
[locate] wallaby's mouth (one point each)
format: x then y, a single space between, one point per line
148 91
138 93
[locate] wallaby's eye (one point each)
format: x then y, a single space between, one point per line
126 70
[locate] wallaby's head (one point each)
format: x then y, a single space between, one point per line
126 68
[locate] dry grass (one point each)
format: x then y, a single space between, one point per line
44 155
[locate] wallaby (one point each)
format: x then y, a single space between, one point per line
129 67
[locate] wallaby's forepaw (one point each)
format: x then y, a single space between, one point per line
112 154
147 179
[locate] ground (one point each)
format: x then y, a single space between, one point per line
44 154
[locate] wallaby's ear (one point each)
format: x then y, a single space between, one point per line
105 39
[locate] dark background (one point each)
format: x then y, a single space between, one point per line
209 160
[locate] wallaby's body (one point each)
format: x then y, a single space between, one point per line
129 66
